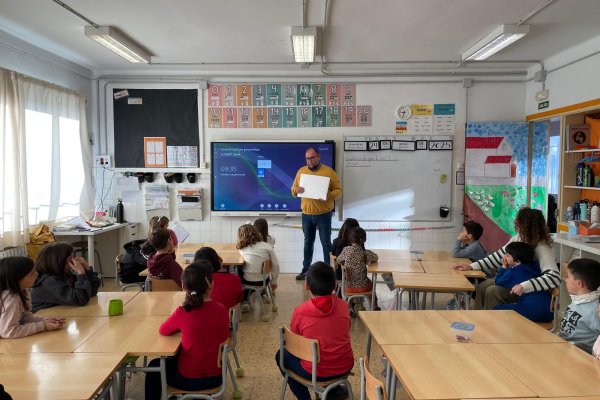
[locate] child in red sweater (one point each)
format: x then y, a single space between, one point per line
162 264
204 325
325 318
227 288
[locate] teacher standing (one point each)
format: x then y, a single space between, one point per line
316 213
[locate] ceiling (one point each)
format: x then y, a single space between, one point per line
253 36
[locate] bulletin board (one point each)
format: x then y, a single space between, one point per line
138 119
397 178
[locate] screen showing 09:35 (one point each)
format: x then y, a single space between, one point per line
258 176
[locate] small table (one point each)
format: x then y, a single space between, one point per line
387 266
446 267
393 254
60 376
443 255
75 332
431 283
154 303
96 307
549 369
501 326
454 371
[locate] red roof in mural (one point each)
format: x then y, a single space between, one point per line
491 142
498 159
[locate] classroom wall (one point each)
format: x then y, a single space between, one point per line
568 84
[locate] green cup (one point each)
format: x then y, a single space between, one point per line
115 307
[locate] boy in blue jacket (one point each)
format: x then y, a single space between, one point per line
518 266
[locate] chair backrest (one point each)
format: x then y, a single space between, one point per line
301 347
266 267
233 324
332 260
118 259
163 285
373 388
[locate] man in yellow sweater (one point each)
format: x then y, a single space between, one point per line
316 213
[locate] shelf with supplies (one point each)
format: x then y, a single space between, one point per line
581 187
594 150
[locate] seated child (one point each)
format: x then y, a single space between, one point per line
134 260
467 244
342 241
581 323
325 318
227 287
162 264
63 279
161 222
204 325
355 259
17 275
518 265
262 227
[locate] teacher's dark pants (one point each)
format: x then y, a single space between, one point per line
310 224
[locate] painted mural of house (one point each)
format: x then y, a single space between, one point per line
500 167
478 149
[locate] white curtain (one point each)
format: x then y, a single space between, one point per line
13 180
45 171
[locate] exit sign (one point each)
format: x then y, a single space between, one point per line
543 104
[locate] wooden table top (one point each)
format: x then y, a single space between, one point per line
75 332
96 307
432 282
134 335
154 303
393 254
407 327
549 369
443 255
192 247
445 267
453 371
501 326
60 376
389 266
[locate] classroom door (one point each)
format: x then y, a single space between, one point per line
505 169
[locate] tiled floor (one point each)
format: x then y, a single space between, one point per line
258 341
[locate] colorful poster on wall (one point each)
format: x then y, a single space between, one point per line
348 116
230 117
334 119
259 93
333 94
228 94
215 117
275 117
349 94
182 156
444 119
318 92
274 94
259 117
363 115
243 95
155 152
289 94
319 117
496 175
215 96
304 117
303 93
245 117
402 127
290 118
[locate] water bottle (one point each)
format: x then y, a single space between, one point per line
579 174
586 176
595 214
583 211
120 212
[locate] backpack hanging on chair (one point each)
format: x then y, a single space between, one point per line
38 238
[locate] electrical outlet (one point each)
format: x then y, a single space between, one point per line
102 161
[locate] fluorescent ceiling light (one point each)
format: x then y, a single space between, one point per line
117 42
501 37
303 43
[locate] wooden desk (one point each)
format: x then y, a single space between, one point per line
430 255
501 326
549 369
154 303
455 371
60 376
96 307
445 267
393 254
407 327
75 332
430 283
389 266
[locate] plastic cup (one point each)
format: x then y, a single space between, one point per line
115 307
462 331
